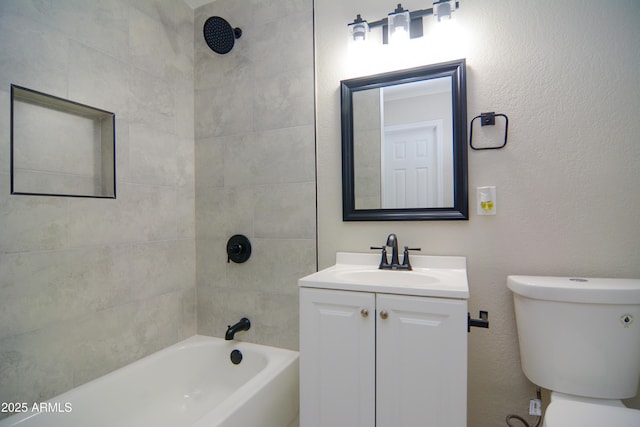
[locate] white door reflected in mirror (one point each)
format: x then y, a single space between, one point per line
407 131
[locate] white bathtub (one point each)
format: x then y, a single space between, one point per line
192 383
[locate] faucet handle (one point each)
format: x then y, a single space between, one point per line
384 263
405 256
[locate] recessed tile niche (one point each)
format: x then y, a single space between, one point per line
60 147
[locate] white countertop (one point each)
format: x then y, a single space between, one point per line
432 276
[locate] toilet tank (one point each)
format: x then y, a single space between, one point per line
579 336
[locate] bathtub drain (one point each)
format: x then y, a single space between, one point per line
236 357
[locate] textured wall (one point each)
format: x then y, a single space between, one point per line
89 285
255 171
566 75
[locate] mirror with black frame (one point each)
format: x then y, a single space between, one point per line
404 145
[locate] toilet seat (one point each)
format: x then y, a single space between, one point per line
564 413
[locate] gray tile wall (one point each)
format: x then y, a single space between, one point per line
255 167
224 142
89 285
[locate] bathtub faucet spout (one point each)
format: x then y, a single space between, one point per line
243 325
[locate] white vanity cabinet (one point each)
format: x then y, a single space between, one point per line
421 361
370 358
337 358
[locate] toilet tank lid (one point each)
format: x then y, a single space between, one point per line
577 289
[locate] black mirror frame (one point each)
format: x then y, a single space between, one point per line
460 210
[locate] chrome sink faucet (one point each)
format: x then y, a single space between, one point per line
392 242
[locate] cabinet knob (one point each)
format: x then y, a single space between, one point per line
384 314
364 312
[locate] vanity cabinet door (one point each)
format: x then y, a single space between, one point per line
337 358
421 375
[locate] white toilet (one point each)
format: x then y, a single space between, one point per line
580 338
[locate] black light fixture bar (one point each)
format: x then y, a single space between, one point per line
416 29
412 14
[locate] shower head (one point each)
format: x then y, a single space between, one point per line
219 34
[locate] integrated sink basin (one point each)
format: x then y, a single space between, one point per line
388 277
434 276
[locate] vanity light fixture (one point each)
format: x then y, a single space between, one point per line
359 29
401 24
444 9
